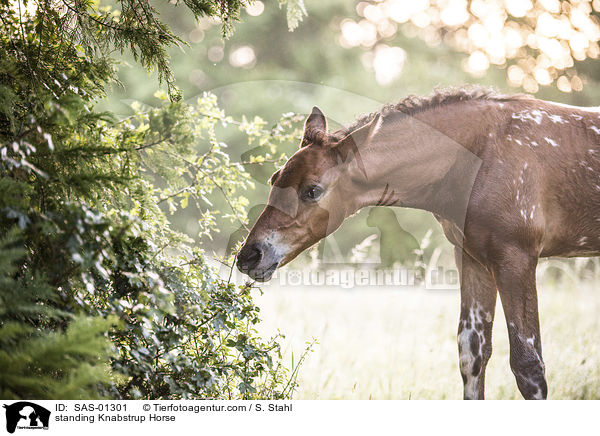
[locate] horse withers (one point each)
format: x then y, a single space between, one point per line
510 178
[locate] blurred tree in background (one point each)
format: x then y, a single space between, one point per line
538 42
99 297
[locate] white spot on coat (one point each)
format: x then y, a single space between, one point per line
557 119
535 116
524 214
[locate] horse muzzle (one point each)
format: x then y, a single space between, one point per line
258 260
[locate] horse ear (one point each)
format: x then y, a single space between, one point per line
316 120
349 147
363 136
273 177
315 123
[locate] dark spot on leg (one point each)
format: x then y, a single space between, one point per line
476 366
474 341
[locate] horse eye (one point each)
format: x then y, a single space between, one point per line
312 193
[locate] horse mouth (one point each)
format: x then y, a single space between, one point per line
261 275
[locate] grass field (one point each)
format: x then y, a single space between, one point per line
401 344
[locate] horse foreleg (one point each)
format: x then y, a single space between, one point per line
478 302
515 279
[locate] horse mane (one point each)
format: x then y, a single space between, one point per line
413 104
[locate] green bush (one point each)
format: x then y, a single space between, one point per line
99 296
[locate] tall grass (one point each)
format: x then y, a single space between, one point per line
384 343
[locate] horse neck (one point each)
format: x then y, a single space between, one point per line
426 161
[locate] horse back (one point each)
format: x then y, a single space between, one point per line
540 178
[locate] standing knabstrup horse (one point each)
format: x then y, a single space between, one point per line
510 178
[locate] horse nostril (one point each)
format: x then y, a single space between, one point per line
254 257
250 257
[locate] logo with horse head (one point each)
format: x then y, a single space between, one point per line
26 415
